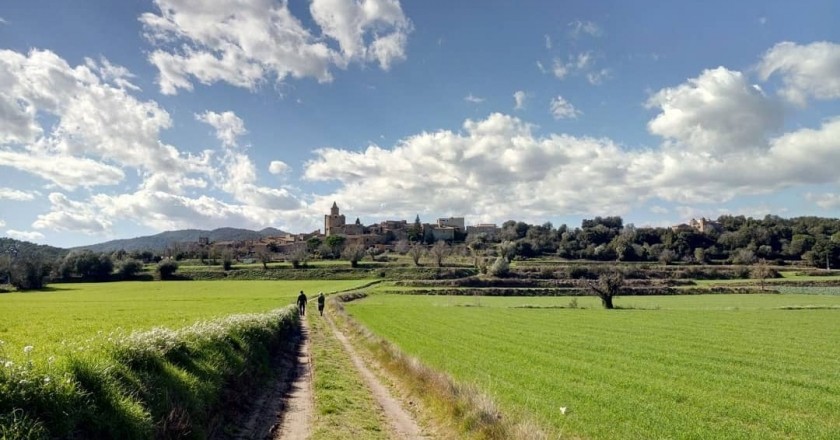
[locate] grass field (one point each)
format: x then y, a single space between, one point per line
78 315
717 366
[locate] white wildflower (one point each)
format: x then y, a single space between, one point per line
47 379
563 410
28 349
8 364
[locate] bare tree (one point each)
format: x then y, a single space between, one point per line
608 286
264 256
440 252
299 257
354 253
402 247
761 271
416 252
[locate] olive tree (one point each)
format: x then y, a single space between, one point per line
608 286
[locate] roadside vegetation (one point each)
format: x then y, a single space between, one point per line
159 383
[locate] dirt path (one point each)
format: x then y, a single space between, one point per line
296 419
403 425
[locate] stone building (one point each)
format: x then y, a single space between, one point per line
333 221
490 230
451 222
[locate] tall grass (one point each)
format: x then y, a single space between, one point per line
160 383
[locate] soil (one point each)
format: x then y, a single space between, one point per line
285 408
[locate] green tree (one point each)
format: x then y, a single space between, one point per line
129 268
166 269
609 285
336 244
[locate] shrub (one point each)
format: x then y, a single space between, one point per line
166 269
500 267
127 269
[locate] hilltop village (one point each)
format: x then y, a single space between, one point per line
381 236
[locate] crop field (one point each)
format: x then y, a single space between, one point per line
74 316
711 366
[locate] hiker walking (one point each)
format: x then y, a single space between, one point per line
301 303
321 299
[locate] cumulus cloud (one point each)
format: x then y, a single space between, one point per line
69 215
519 99
67 172
278 167
718 112
25 235
809 71
247 42
100 126
15 194
562 109
228 126
495 168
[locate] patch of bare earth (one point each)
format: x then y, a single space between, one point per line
402 424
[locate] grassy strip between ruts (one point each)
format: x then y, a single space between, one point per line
344 406
160 383
466 409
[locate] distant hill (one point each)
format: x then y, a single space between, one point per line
8 245
159 242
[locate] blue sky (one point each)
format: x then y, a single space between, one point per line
120 119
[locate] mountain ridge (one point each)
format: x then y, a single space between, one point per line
161 241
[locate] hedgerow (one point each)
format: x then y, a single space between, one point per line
160 383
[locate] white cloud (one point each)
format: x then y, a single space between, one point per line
67 172
2 223
228 126
98 122
25 235
278 167
519 98
562 109
246 42
807 71
559 68
15 194
547 41
659 209
825 201
3 21
580 28
718 112
596 78
68 215
581 64
473 99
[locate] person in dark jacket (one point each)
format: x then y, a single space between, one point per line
301 303
321 299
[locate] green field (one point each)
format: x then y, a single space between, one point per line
716 366
73 316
